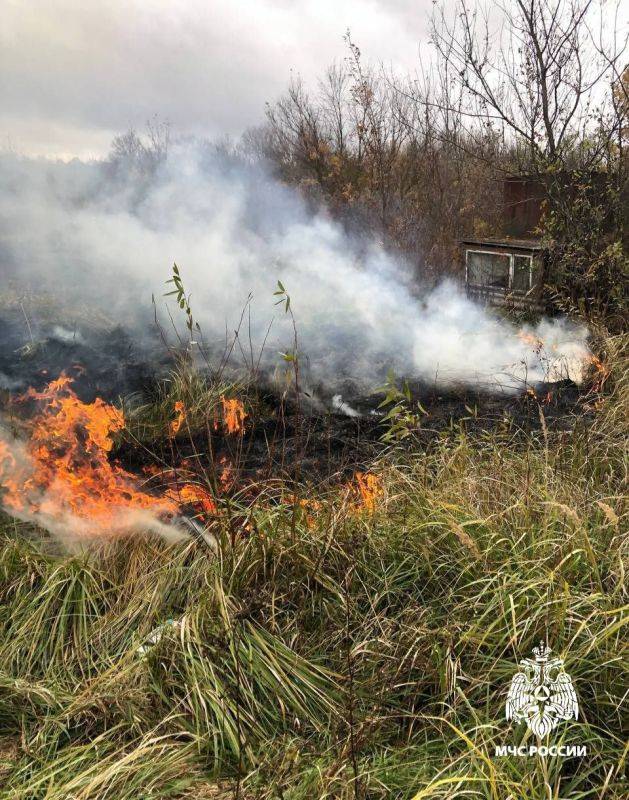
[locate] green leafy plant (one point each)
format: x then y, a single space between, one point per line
403 416
183 300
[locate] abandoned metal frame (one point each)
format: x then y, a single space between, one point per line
511 256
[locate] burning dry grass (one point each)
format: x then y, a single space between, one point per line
61 475
369 491
64 469
353 643
234 414
187 404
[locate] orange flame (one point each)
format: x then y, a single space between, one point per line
546 400
602 372
307 507
234 414
63 471
533 341
194 495
176 424
226 475
369 490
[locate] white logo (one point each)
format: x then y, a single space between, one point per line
542 694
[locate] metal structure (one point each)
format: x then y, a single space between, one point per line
504 271
509 270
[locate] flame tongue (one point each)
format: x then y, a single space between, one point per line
234 414
63 471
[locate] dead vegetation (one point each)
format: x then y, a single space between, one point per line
352 641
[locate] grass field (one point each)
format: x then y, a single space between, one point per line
334 648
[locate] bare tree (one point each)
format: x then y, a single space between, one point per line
419 161
536 70
131 151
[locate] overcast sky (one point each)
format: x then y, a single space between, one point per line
73 73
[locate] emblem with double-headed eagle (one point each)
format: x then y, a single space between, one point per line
542 694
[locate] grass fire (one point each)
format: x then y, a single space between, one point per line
313 434
61 476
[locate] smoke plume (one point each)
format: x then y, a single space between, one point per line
105 235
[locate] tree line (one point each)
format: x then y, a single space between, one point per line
532 87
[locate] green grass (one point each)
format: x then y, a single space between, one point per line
335 653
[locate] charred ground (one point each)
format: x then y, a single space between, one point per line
293 436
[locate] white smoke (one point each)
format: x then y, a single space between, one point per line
87 230
338 404
64 335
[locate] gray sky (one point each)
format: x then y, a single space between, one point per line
73 73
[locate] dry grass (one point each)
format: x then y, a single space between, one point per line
331 651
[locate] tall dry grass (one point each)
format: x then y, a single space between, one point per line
333 650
